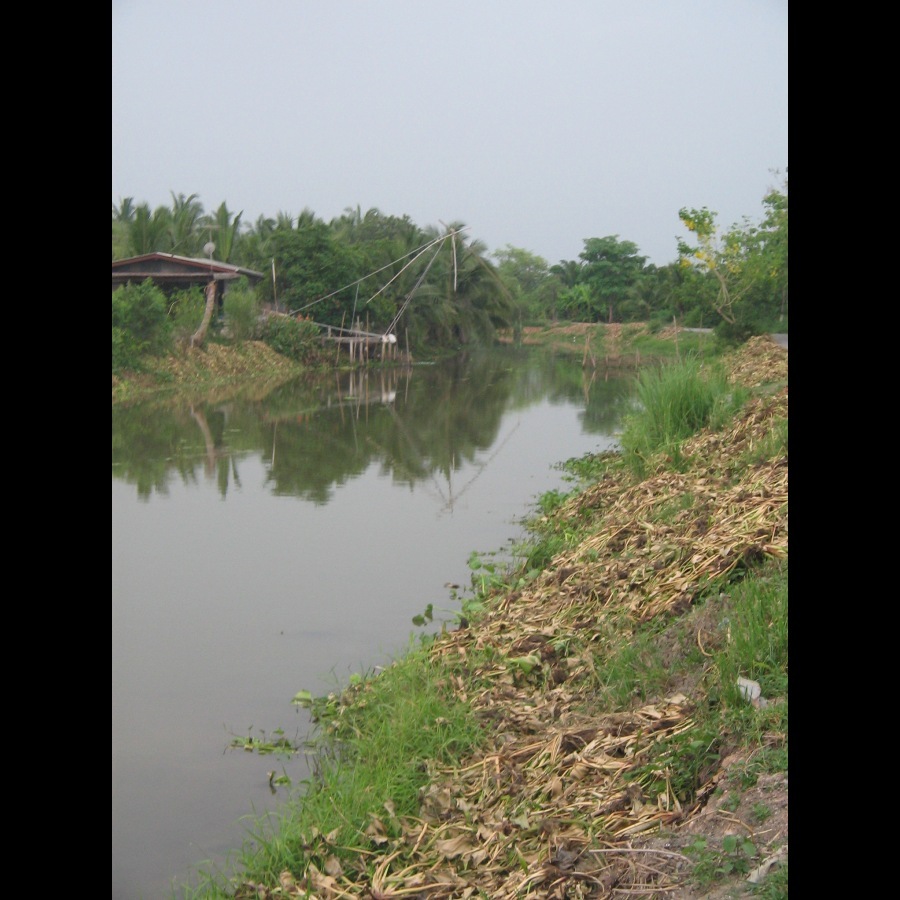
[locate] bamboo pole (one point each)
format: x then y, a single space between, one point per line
338 342
587 352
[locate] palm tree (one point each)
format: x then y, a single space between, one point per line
122 215
251 248
308 218
568 271
226 226
124 212
346 227
284 221
186 213
148 232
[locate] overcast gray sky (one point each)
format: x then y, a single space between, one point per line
537 123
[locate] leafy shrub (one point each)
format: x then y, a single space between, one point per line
186 309
241 310
140 324
750 320
678 764
695 318
296 338
711 866
126 351
731 334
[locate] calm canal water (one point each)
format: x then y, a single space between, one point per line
281 543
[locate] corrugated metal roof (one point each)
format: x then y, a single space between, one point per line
134 263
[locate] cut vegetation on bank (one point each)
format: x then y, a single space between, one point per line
610 718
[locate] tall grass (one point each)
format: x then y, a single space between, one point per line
674 402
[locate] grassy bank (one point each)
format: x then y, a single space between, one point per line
611 714
223 368
212 370
617 346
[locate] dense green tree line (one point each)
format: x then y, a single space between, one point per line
734 280
440 289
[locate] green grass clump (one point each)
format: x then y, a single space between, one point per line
675 402
757 641
630 669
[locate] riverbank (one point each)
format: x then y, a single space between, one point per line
222 370
214 370
617 749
